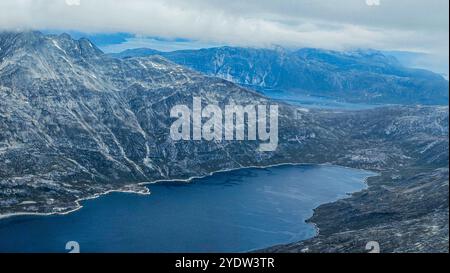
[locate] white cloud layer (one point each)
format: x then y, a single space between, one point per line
373 2
413 25
73 2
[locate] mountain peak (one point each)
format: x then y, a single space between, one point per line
10 40
36 41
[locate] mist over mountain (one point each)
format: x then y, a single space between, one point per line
366 76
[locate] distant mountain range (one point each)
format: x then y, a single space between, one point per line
360 76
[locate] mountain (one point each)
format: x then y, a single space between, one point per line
76 123
360 76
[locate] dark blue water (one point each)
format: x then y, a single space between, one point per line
227 212
316 102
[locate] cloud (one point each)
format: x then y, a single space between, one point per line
373 2
414 25
73 2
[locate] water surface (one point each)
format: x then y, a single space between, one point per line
227 212
317 102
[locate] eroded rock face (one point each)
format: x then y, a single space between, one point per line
75 123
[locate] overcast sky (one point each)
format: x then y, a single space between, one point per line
410 25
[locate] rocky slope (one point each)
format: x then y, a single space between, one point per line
359 76
75 123
405 208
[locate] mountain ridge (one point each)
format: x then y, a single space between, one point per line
366 76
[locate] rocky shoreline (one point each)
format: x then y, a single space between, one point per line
403 214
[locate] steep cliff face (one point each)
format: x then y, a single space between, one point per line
359 76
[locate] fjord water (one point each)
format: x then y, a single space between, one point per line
308 101
231 211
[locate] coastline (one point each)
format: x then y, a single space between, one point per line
146 191
79 206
